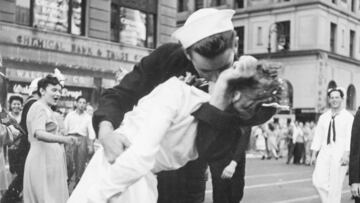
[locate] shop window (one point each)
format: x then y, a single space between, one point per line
133 27
240 34
59 15
22 11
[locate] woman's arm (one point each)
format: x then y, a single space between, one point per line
38 122
51 138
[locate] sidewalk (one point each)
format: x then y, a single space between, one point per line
251 154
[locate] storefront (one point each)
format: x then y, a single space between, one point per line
306 114
89 65
75 86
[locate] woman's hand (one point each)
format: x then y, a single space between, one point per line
71 140
15 132
221 94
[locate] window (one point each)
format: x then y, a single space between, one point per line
351 98
22 11
239 4
333 28
259 36
240 34
217 2
333 1
182 5
133 27
114 23
352 43
199 4
59 15
283 35
343 38
352 6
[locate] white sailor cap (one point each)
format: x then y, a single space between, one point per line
204 23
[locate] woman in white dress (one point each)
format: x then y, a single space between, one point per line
45 167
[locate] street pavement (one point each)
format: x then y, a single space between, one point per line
273 181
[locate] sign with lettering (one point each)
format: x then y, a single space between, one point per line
40 39
28 76
25 90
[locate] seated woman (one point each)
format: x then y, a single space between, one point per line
162 134
45 166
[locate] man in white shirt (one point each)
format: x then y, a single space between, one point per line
332 141
78 123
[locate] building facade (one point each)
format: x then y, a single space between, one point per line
92 42
318 42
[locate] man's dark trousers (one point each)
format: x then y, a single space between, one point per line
186 185
227 190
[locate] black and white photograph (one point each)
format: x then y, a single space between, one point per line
179 101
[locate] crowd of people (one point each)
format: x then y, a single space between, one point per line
185 107
290 140
61 144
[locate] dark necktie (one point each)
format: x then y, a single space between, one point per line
331 126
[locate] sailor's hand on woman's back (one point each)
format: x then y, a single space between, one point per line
112 142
